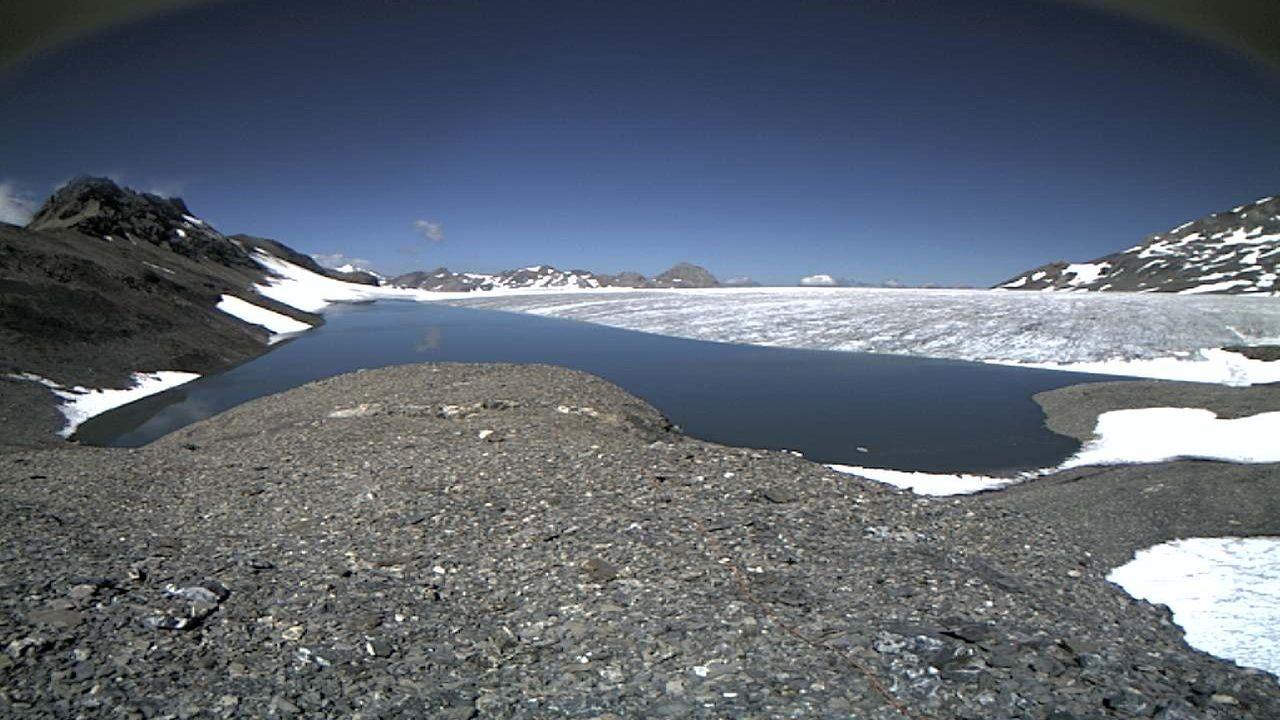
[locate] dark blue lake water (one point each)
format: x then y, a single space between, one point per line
908 413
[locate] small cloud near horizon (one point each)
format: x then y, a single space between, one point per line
16 206
820 280
430 230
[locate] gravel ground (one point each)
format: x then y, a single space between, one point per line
1120 509
498 541
1074 410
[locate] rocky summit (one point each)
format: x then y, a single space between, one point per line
1236 252
469 541
99 208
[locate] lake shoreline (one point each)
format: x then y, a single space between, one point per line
887 411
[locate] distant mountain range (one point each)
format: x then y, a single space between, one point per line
1235 252
682 275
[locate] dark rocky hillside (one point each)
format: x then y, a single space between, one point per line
106 281
1236 252
99 208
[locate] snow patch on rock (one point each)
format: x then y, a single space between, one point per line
278 324
1149 435
936 484
81 403
1224 592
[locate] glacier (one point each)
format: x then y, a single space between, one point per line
1168 336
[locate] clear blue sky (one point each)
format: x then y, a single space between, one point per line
944 141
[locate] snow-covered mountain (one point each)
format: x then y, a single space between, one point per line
540 276
546 276
1237 252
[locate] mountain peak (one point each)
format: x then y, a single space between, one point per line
99 207
686 275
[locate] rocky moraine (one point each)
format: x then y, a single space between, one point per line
526 541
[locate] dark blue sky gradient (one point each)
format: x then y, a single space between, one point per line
942 141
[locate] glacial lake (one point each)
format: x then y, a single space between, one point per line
861 409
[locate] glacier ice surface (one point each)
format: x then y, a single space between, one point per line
1145 335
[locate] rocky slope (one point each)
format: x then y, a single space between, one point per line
545 276
1237 252
106 281
501 541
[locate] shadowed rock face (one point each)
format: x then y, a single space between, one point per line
100 208
1235 252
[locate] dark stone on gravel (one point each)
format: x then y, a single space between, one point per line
599 571
778 495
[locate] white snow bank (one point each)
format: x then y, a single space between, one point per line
81 403
1121 437
1211 365
1150 435
1224 592
922 483
298 287
257 315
